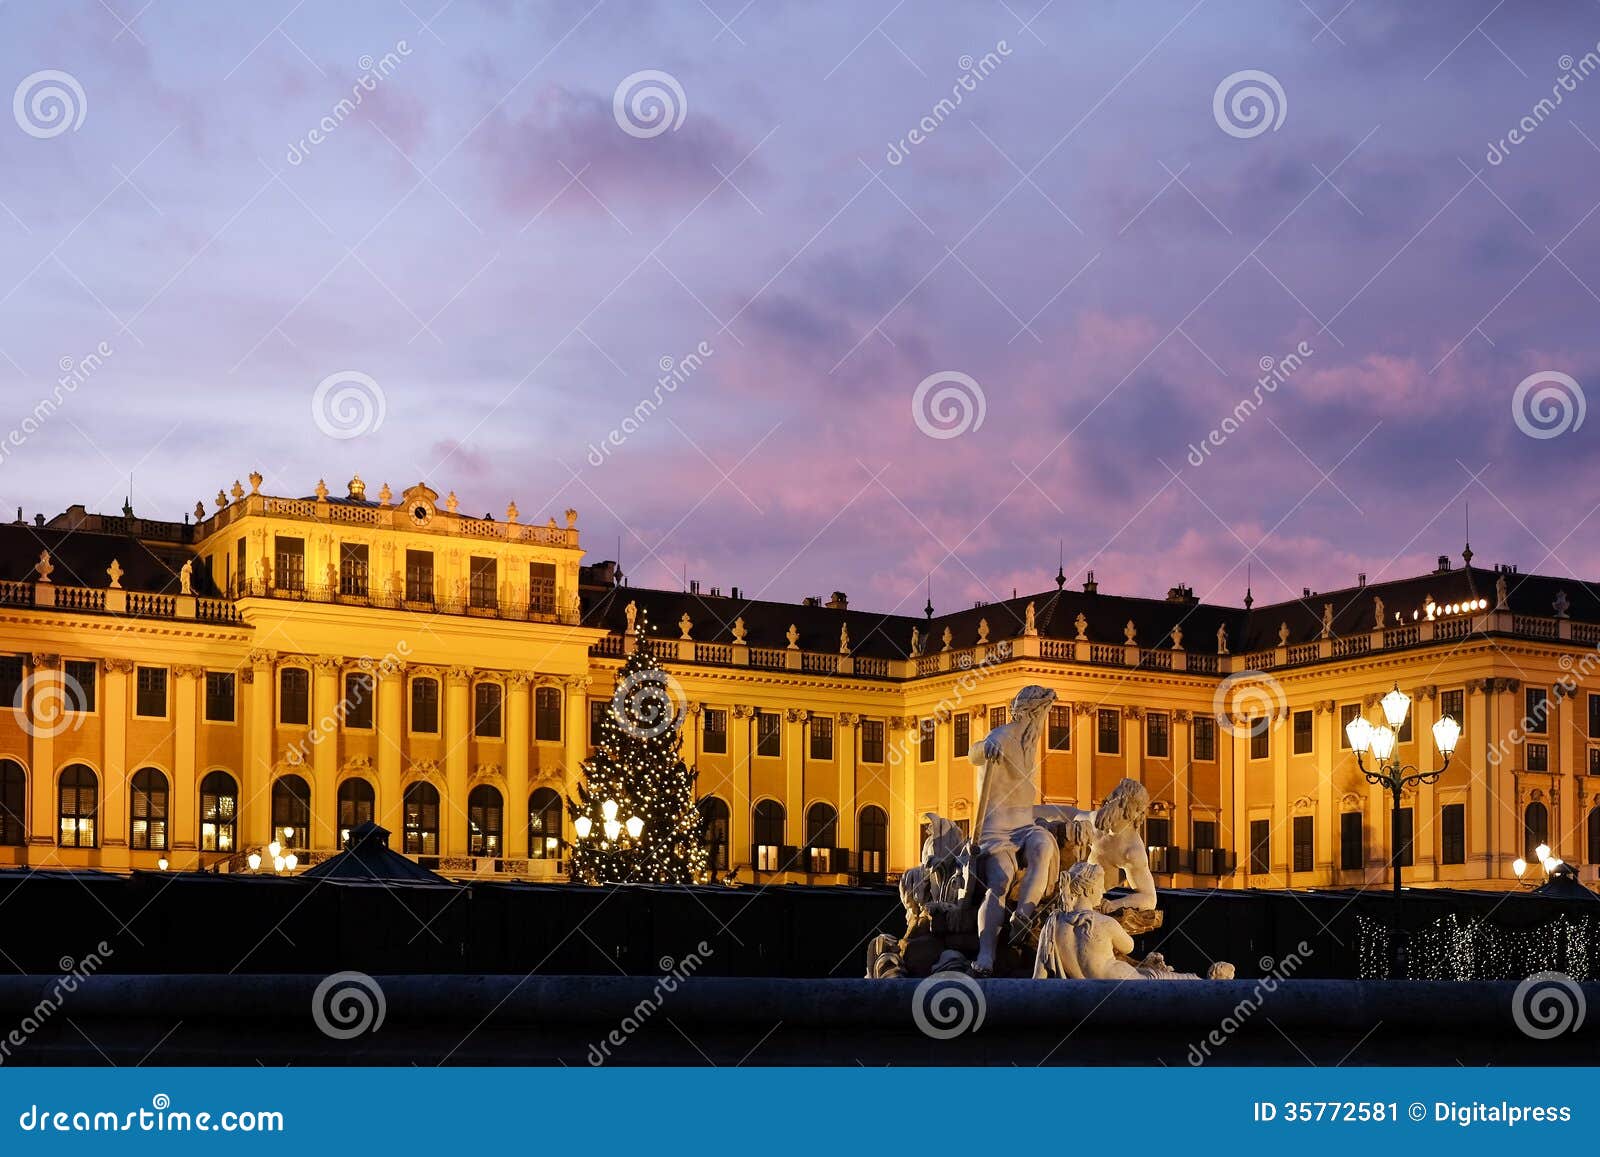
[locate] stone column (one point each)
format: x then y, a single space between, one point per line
1281 740
114 773
575 737
326 729
391 744
519 745
44 719
847 744
1478 741
457 736
183 801
739 801
794 787
1326 740
255 793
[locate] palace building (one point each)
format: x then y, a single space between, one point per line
179 695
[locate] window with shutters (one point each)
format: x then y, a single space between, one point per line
419 576
1302 845
872 741
1352 842
150 692
289 563
294 696
1203 738
547 714
219 696
483 583
1157 734
542 587
1302 732
821 728
1453 833
353 569
1109 730
1060 736
1260 847
716 731
147 811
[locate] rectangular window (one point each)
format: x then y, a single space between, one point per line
1352 846
716 738
241 577
353 569
1537 706
1260 847
80 675
486 699
358 695
1157 734
1454 704
1347 715
483 583
927 740
1158 832
1302 733
1538 756
1594 716
150 692
769 739
1594 761
425 706
294 696
1302 832
872 741
1060 729
821 728
1205 834
1405 837
997 717
598 710
10 680
289 563
1260 738
1204 741
219 696
542 587
419 576
960 736
1453 833
547 714
1110 731
1404 734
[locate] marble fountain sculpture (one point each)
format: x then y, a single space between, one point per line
1000 904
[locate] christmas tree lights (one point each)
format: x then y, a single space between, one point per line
635 812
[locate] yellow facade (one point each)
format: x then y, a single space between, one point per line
521 628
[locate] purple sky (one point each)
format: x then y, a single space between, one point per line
1081 237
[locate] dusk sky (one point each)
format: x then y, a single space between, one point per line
1083 237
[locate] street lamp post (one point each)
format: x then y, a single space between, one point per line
1388 770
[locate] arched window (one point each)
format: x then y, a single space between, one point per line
768 835
421 820
147 815
80 803
13 804
219 813
484 821
873 835
714 832
291 811
1535 828
356 807
822 834
544 825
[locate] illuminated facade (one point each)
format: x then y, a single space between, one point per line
182 694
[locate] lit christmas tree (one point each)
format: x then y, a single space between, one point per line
635 814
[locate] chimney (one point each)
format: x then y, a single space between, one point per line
838 602
694 586
1361 579
811 601
1182 593
1089 585
1444 564
735 592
